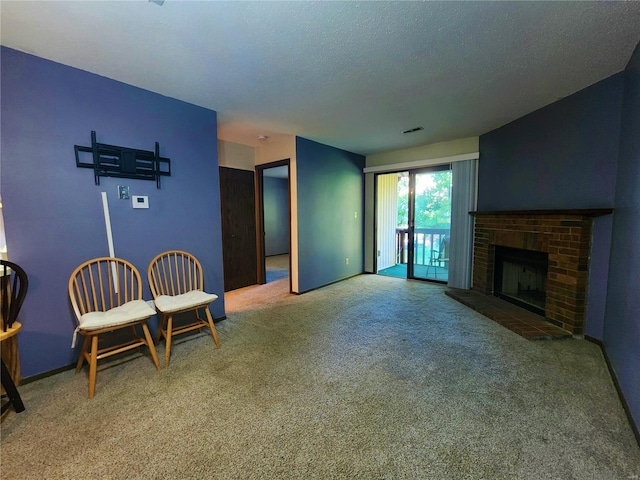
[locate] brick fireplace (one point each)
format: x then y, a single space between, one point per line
565 235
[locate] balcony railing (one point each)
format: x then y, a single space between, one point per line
427 245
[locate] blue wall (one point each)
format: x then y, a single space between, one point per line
583 152
560 157
622 321
276 215
330 186
53 211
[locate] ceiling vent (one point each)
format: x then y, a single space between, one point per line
415 129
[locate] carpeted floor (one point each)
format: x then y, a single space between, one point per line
372 377
276 267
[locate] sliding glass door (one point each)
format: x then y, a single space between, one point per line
430 223
414 223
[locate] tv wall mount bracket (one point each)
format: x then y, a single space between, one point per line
123 162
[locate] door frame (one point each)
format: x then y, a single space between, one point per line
411 223
260 233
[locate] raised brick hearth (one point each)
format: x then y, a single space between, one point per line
565 235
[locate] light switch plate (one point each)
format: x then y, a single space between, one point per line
123 192
140 201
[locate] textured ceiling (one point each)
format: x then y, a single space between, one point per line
349 74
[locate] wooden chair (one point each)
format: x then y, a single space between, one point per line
176 282
13 289
106 295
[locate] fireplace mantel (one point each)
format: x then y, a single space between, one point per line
565 235
583 212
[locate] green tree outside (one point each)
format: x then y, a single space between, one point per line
433 200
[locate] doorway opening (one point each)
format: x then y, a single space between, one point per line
273 217
413 223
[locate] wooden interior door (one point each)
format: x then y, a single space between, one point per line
237 201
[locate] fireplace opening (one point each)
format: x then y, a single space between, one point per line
520 277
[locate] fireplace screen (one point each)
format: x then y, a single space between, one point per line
521 277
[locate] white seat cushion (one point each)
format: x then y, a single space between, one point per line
185 301
129 312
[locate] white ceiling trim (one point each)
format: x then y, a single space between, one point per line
396 167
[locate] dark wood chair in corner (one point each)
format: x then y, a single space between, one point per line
177 286
13 289
106 295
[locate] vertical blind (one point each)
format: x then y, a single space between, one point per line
463 201
387 220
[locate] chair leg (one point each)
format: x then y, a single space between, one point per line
161 325
212 327
93 365
167 337
83 352
12 391
151 346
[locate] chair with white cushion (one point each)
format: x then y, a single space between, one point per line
176 282
106 295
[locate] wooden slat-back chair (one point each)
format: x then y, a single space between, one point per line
106 295
177 286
